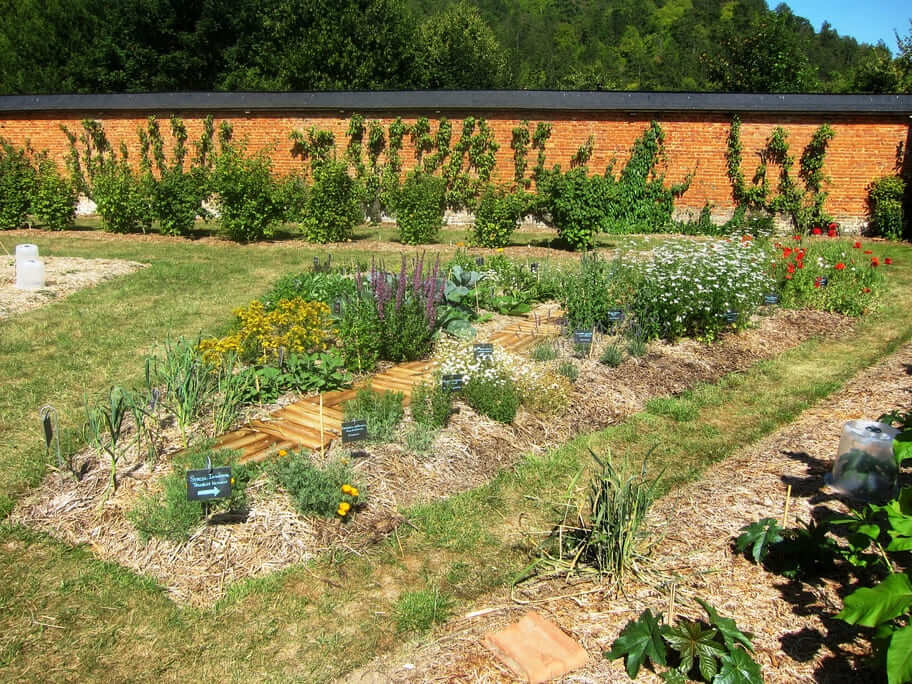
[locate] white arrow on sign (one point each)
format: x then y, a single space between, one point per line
207 492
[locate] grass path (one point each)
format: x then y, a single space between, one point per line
65 615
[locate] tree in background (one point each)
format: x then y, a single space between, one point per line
456 50
765 57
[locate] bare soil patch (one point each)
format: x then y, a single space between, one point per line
469 452
62 277
795 637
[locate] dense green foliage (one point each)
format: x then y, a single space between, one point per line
420 203
885 207
315 490
161 45
17 178
333 209
53 200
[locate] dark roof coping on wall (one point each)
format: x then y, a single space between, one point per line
533 100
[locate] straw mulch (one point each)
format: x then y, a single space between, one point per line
795 636
469 452
62 277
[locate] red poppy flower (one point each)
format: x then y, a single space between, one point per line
840 266
816 231
817 282
888 261
790 268
867 290
800 264
833 225
787 252
796 238
832 232
857 245
788 276
868 251
874 261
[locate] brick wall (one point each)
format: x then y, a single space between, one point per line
865 146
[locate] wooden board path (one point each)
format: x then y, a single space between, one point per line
298 425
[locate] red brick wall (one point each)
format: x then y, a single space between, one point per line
864 147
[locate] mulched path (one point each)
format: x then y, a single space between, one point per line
795 637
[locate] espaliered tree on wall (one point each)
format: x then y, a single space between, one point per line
804 207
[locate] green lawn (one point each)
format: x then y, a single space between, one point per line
66 615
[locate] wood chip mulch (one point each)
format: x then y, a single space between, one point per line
796 637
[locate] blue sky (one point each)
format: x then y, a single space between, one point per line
867 21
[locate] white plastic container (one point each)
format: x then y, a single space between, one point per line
865 466
26 251
30 274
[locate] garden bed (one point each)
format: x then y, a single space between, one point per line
795 637
63 276
465 454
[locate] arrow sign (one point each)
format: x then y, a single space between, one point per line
206 484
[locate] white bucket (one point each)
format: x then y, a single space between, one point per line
30 274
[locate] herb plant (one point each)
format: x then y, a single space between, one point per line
381 410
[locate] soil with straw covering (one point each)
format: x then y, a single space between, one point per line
468 453
795 638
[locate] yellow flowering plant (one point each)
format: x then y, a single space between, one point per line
295 325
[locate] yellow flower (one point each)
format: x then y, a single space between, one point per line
353 491
346 489
283 453
342 511
344 507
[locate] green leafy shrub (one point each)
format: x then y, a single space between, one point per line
310 286
333 208
293 194
885 207
17 180
167 514
497 216
597 288
246 193
577 204
327 492
176 196
493 394
302 373
431 405
420 204
381 410
54 197
121 198
361 333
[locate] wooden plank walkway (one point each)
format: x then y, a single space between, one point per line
299 425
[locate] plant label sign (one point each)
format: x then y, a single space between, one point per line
206 484
731 316
770 299
354 430
582 337
533 267
452 382
337 306
483 351
615 316
824 281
